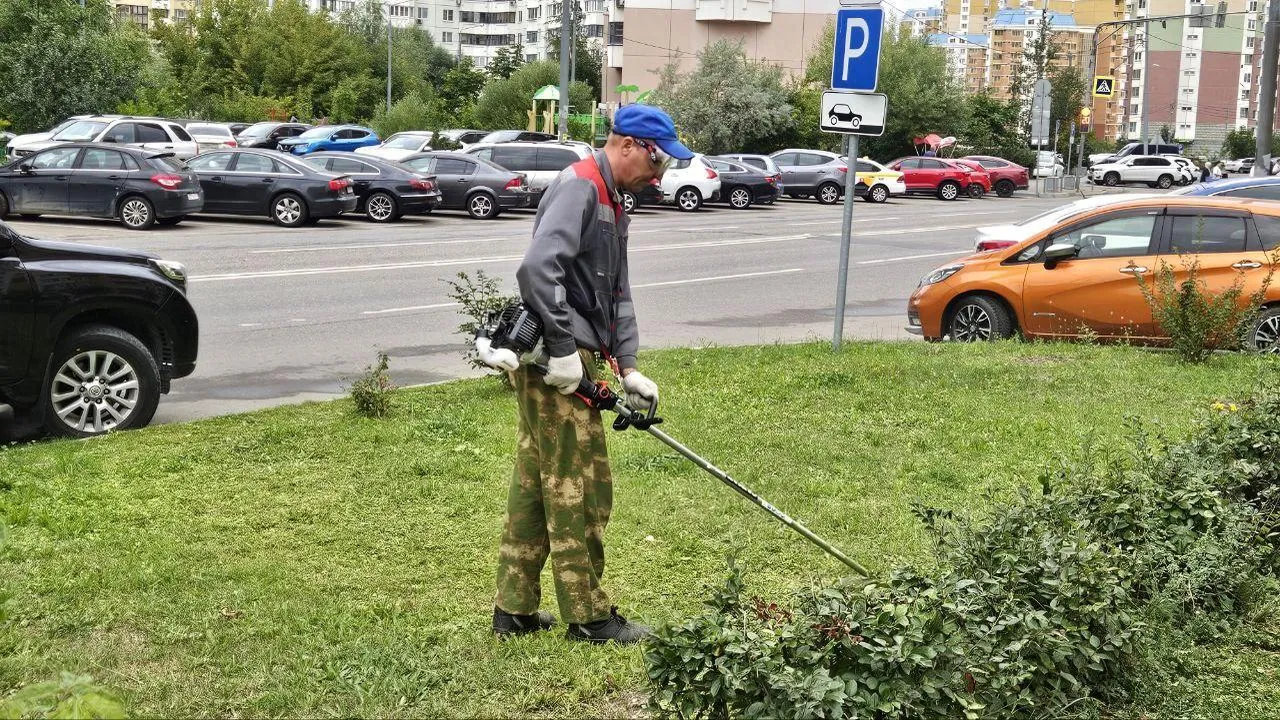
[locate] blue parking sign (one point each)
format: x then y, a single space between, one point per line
857 57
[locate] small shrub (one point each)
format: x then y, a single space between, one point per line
372 392
1196 319
479 296
70 696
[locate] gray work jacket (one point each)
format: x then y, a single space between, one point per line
574 274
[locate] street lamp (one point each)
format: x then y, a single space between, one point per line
389 6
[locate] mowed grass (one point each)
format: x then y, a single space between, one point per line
306 562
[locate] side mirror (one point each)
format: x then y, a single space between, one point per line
26 169
1058 252
110 139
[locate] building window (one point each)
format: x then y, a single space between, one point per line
615 33
401 11
179 15
535 13
448 15
1133 126
532 57
595 31
1252 25
1248 78
488 18
1248 42
1244 94
595 6
446 36
1186 108
1253 5
531 36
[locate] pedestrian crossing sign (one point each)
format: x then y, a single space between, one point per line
1104 86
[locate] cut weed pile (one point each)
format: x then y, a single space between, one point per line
304 561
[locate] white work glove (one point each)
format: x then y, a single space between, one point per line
564 373
641 391
496 358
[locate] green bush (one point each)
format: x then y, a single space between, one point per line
1196 319
1046 608
372 392
479 296
411 112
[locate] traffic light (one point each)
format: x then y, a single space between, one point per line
1085 114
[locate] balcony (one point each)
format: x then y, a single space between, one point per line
613 56
760 11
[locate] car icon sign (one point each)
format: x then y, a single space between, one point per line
841 113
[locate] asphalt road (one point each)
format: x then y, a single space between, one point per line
287 314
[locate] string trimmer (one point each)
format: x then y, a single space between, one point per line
518 329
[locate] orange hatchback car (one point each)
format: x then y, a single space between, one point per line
1071 272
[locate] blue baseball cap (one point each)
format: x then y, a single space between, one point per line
647 122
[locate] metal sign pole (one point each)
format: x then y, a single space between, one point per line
846 236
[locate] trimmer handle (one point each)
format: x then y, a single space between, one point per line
596 394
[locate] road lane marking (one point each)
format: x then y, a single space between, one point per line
696 228
717 277
343 269
881 261
411 308
369 246
837 222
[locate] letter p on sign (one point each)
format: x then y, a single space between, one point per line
856 61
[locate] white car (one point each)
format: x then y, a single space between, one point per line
149 133
1187 170
1239 165
689 183
880 182
1048 164
212 136
400 146
540 162
29 138
1153 170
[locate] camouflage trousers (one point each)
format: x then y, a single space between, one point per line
558 505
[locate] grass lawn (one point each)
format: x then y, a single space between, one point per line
305 562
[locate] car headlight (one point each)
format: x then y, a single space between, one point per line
941 274
175 271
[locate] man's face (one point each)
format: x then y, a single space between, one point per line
642 162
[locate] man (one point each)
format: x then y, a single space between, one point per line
574 276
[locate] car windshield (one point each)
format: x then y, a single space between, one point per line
80 130
206 129
320 132
318 163
258 130
406 142
170 162
1037 224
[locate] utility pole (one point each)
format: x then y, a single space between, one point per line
1146 77
388 59
566 63
1265 123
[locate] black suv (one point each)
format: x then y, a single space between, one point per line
92 335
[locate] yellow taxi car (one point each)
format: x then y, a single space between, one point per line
877 183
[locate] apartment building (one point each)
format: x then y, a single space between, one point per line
921 23
144 13
645 35
966 58
1201 82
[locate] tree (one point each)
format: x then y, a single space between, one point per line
1066 99
727 101
1239 143
993 129
60 59
504 104
506 61
461 90
588 60
1036 62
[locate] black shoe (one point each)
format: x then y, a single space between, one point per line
506 624
614 628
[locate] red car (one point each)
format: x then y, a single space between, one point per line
1007 176
979 178
933 176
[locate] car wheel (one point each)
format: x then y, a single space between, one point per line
481 207
977 318
30 216
628 202
103 379
833 120
829 194
689 199
1005 188
877 194
136 213
949 190
381 207
169 222
740 198
1164 182
1111 179
289 210
1266 332
976 192
4 205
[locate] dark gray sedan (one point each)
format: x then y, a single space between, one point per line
473 184
385 189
